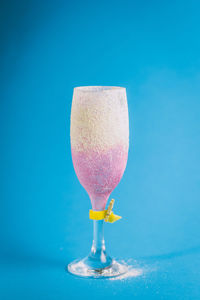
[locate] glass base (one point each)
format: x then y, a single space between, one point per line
85 268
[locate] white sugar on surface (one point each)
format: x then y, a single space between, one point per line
132 272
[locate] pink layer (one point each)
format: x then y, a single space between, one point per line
100 173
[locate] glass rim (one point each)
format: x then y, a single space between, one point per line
99 88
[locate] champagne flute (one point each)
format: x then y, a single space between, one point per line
99 145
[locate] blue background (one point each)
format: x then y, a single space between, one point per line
153 49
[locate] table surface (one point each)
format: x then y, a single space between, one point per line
173 275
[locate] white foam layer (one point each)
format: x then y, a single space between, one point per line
99 118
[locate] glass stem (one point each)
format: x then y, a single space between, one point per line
98 257
98 236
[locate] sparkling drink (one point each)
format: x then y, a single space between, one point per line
99 140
